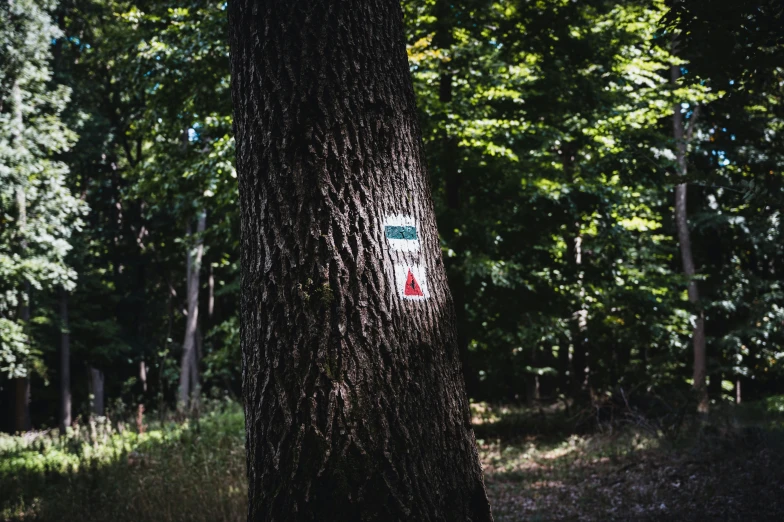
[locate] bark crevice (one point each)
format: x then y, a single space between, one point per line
354 399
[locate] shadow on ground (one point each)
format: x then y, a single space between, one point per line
540 464
713 470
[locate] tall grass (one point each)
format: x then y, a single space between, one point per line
540 464
187 471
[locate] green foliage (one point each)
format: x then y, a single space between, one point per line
222 354
560 118
743 41
38 212
535 466
152 106
172 471
548 133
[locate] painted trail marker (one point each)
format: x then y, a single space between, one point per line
401 233
411 282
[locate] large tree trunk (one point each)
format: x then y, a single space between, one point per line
354 399
188 364
65 364
684 240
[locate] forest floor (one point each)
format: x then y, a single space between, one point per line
540 464
720 471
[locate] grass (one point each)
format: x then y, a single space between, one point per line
537 467
172 472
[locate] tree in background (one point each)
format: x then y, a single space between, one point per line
557 108
189 371
548 131
683 137
156 150
39 212
735 180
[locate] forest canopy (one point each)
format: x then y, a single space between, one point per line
554 163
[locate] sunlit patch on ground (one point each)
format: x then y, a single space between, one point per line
535 470
630 477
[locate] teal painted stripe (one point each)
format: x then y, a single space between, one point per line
397 232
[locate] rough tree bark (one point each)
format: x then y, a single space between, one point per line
354 399
188 364
65 364
682 139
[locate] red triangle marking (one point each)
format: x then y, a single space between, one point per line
412 287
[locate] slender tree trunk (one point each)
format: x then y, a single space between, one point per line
65 364
194 373
96 387
353 389
143 375
579 325
22 386
22 410
211 296
188 367
564 362
687 259
532 381
140 406
184 386
65 334
579 371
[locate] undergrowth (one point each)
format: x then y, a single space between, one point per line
174 471
556 462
